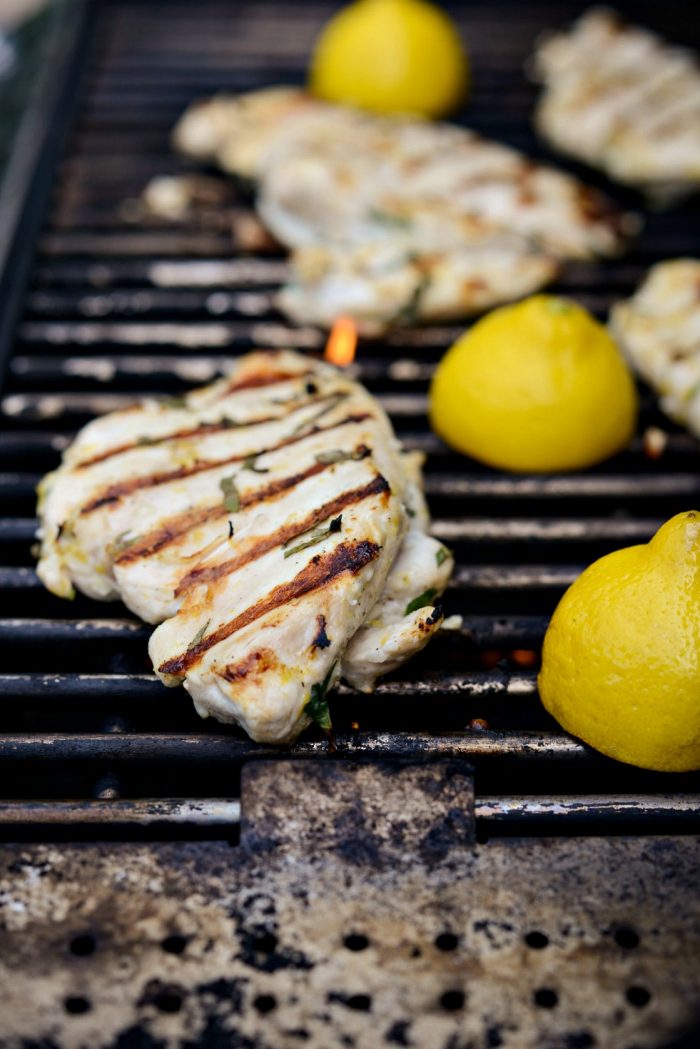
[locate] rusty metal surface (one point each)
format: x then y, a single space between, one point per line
313 932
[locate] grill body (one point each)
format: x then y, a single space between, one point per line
439 883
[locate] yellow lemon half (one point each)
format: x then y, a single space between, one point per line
391 56
621 657
539 386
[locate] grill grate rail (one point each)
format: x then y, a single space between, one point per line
118 304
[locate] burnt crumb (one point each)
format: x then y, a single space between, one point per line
435 616
336 524
224 990
135 1037
398 1033
217 1035
230 529
298 1032
359 1002
493 1037
311 388
59 530
260 950
167 997
322 639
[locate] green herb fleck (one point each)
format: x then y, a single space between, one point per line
386 218
441 555
228 423
317 537
249 464
421 601
199 635
119 545
174 402
143 439
338 456
333 401
410 512
317 706
410 311
232 500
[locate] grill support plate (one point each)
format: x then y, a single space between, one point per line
356 911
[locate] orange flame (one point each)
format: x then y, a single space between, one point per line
342 342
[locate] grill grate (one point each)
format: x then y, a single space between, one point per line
117 305
549 900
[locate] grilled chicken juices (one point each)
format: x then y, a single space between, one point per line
394 220
272 525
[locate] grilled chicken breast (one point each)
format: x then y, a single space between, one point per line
659 331
263 518
621 99
390 216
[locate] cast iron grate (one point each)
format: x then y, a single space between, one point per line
116 305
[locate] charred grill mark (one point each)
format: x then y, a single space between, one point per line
212 573
347 557
113 493
203 430
258 662
177 526
322 639
256 380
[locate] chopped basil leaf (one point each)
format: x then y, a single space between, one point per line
410 512
441 555
421 601
198 636
338 456
249 464
174 402
317 706
316 537
232 500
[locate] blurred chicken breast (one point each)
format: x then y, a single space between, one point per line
621 99
659 331
346 191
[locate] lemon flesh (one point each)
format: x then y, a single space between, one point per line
391 56
621 657
539 386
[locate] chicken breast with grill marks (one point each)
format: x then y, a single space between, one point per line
393 218
620 98
658 329
261 517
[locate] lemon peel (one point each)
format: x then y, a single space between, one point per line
539 386
621 656
391 56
